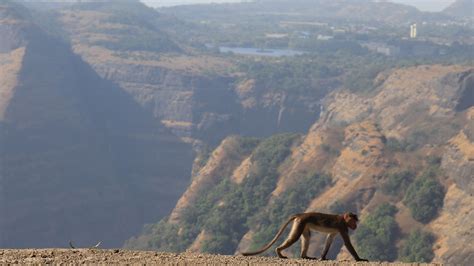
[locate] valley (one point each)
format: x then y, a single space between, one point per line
198 129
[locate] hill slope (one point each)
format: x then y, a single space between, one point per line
354 10
193 93
402 153
461 8
77 154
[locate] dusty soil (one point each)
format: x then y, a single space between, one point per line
118 256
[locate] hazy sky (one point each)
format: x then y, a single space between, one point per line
425 5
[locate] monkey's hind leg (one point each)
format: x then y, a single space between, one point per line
296 230
305 244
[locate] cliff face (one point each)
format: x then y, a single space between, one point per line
417 119
265 111
453 224
79 159
223 162
196 96
151 67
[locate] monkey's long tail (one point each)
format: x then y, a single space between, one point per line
267 246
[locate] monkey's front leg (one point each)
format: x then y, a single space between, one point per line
329 240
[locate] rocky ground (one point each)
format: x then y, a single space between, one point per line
118 256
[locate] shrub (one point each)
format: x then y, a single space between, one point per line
342 207
228 223
394 145
418 247
416 140
433 160
424 197
166 238
294 200
337 207
206 213
151 42
329 149
398 181
377 234
361 79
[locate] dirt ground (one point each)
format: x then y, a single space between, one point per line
118 256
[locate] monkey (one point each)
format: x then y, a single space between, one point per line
303 223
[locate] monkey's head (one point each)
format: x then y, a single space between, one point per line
351 220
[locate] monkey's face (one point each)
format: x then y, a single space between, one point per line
352 224
351 220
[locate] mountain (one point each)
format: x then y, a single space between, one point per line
80 160
461 8
197 95
345 10
45 4
401 156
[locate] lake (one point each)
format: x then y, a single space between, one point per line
260 52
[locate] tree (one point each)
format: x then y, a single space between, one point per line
424 197
418 247
377 234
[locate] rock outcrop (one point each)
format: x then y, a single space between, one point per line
221 163
360 140
197 96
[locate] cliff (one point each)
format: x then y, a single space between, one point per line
410 135
198 96
77 154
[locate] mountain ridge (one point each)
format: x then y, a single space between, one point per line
461 8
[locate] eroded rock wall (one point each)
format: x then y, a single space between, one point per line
350 143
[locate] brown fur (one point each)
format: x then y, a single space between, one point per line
303 223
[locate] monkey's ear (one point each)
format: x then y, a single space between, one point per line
346 216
